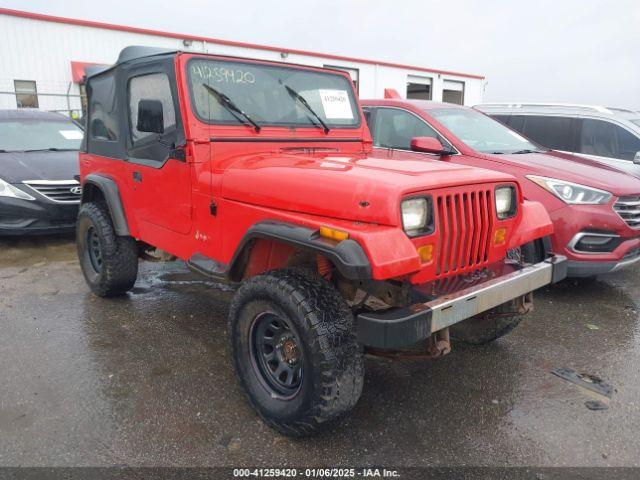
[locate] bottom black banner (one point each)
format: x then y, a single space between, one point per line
409 473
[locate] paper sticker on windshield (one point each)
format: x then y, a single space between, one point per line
71 134
519 137
336 104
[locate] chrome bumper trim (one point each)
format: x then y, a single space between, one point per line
402 326
469 302
625 263
580 235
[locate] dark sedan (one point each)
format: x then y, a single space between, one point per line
38 165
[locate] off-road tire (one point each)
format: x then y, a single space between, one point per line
493 324
118 267
332 369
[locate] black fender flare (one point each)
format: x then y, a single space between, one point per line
347 255
111 193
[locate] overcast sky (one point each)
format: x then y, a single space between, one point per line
585 51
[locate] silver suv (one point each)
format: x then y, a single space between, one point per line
608 135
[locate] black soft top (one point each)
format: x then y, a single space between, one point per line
108 119
128 54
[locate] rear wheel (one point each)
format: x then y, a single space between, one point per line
109 262
499 321
295 351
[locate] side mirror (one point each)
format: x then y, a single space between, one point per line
428 145
636 159
150 116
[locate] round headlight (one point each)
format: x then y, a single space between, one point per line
415 215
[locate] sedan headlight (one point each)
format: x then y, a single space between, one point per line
8 190
416 216
572 193
506 202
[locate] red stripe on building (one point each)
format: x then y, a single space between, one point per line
218 41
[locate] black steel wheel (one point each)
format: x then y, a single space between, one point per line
276 354
109 262
94 249
295 351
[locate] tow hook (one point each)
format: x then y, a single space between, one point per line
525 303
439 344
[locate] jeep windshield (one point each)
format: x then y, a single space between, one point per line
25 135
270 95
482 133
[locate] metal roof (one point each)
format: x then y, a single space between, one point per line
421 104
524 105
556 108
628 118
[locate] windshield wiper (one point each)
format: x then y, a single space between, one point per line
526 150
51 149
227 103
296 96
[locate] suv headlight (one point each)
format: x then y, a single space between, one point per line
8 190
416 216
506 201
572 193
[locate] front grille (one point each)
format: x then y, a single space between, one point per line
61 191
465 222
629 210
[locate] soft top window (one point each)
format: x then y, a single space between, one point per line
270 95
103 120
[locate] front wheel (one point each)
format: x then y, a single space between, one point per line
497 322
109 262
295 351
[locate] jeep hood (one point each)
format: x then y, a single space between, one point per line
15 167
564 167
359 188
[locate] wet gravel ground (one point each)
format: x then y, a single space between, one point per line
146 380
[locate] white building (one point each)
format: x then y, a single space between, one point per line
42 61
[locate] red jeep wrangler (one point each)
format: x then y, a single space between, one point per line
260 173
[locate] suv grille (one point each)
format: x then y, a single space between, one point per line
61 191
465 223
629 210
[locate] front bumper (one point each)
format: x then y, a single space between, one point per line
573 221
29 217
579 269
405 326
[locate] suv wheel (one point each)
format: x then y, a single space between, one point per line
295 351
109 262
497 322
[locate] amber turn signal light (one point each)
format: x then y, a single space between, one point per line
500 236
426 253
333 234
